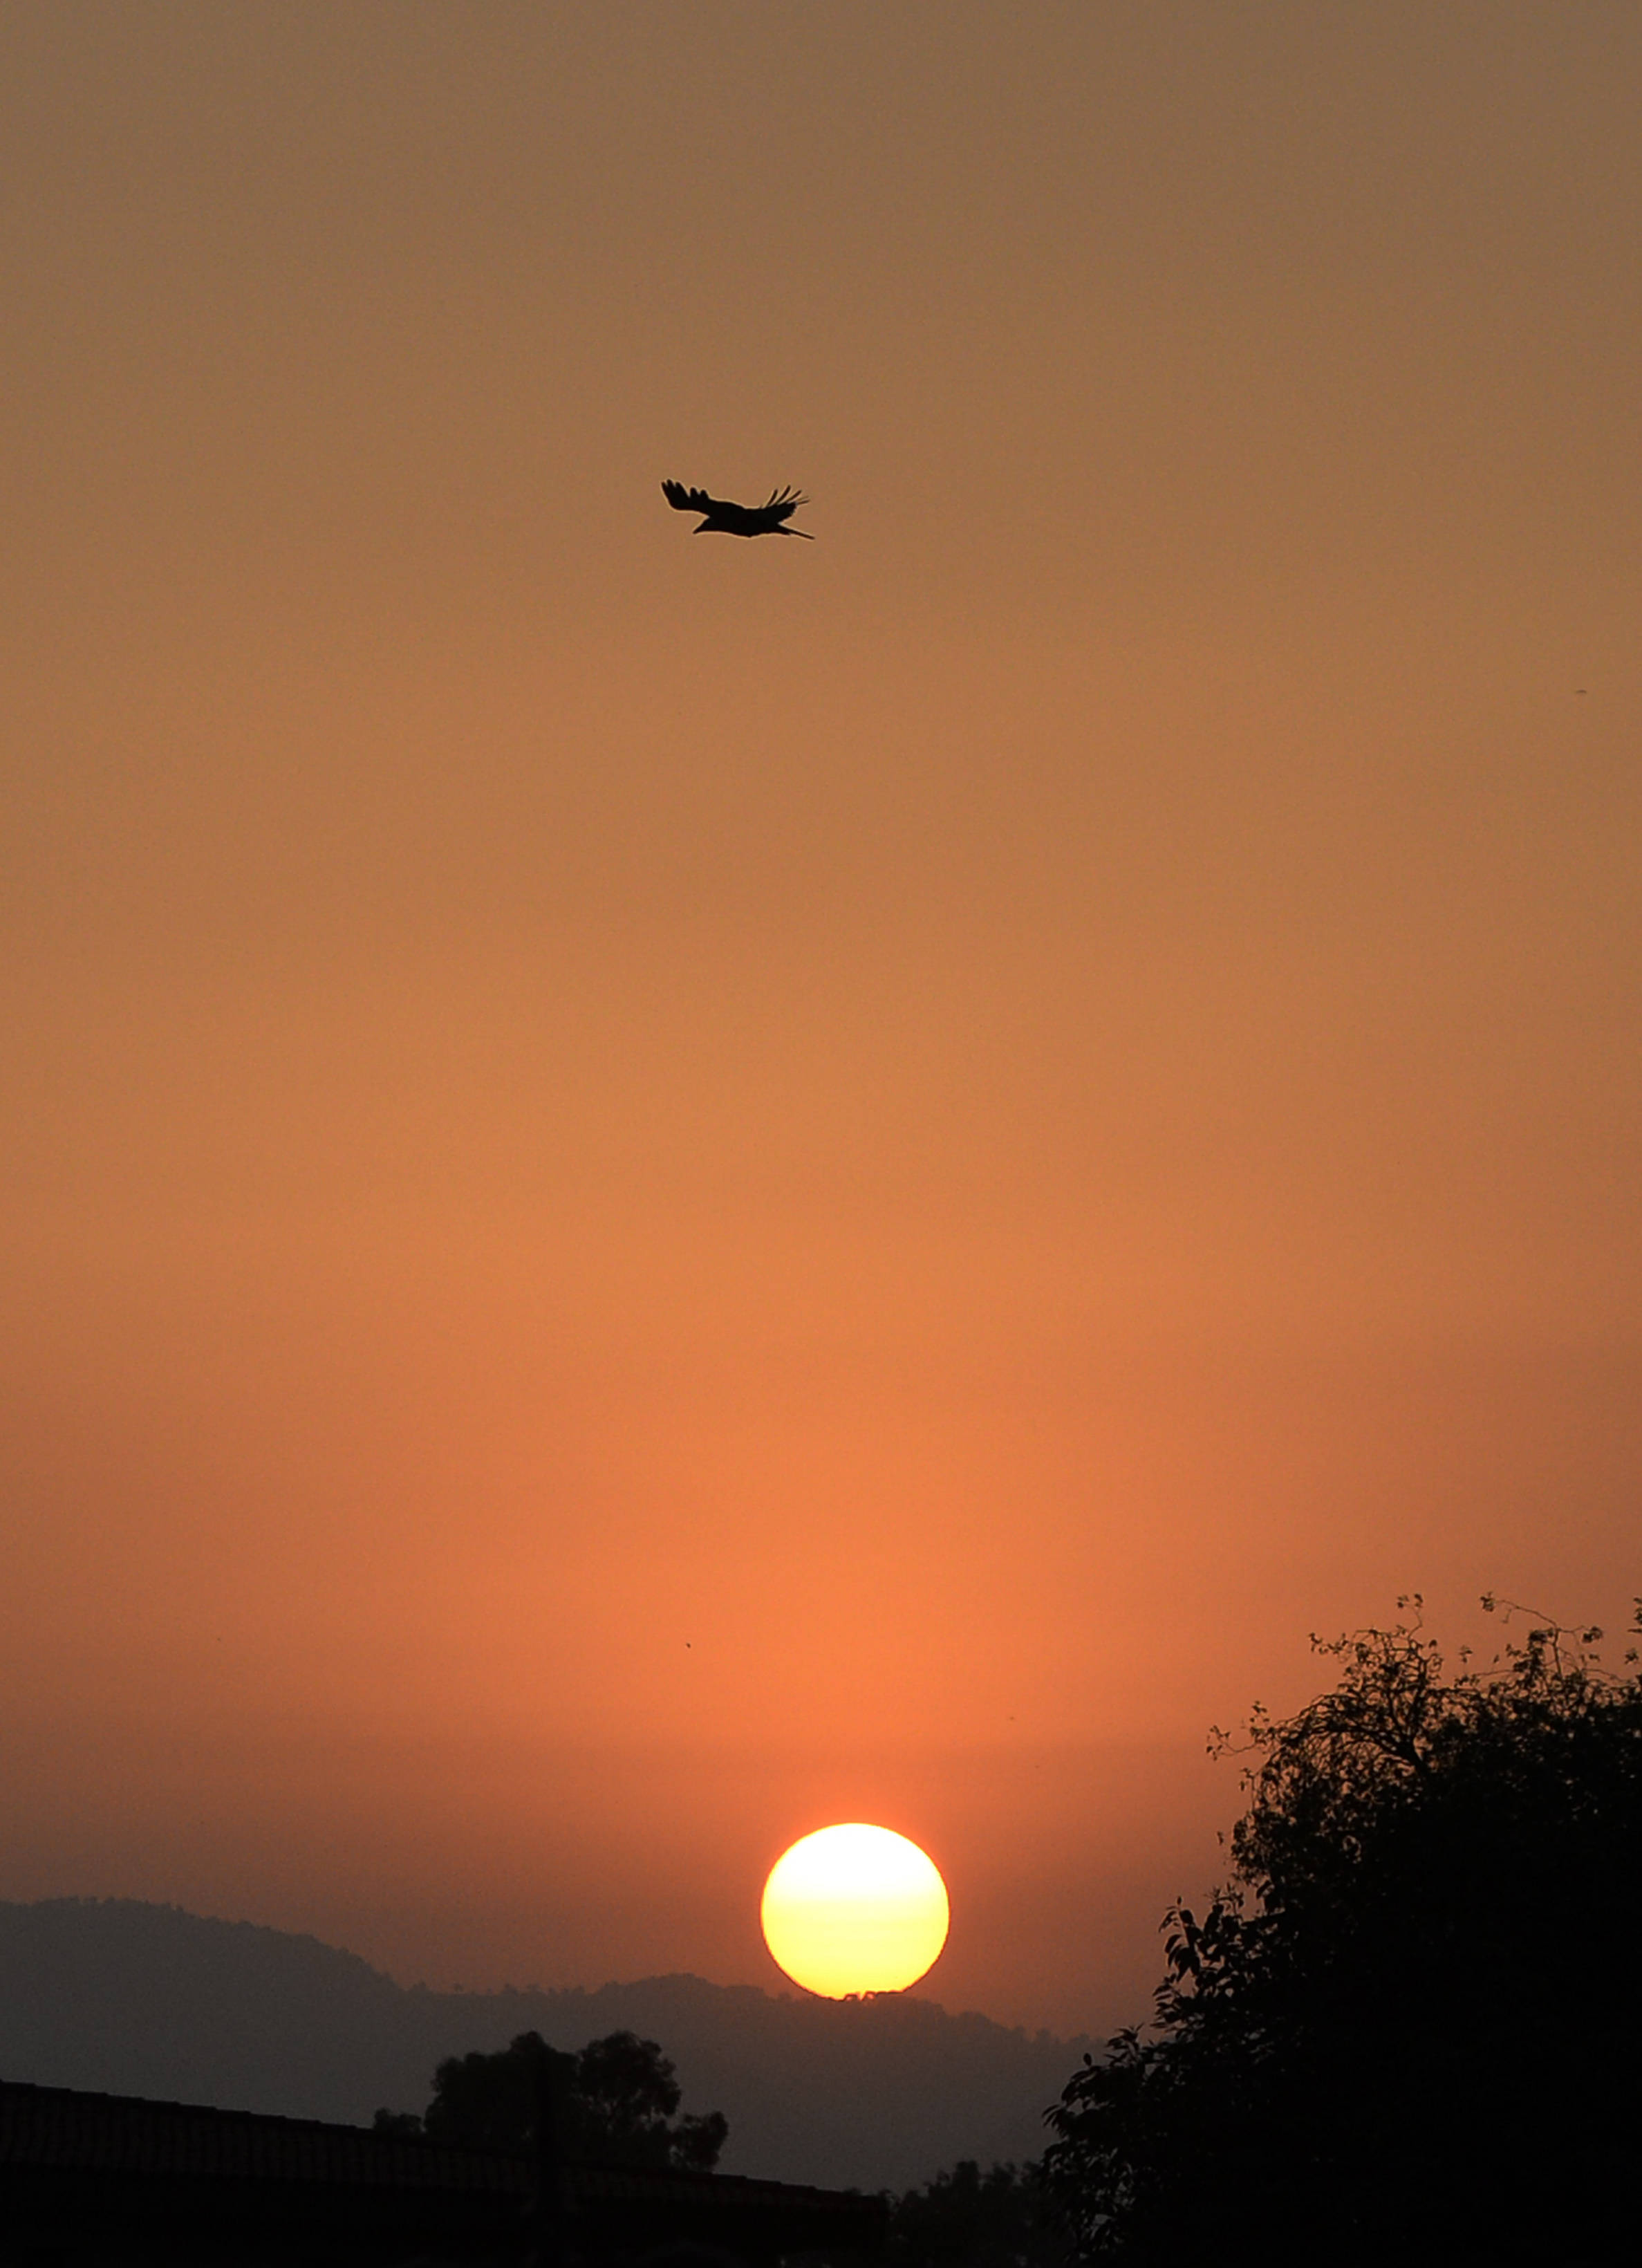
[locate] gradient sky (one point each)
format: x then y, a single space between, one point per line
664 1190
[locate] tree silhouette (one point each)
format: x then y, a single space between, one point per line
1409 2028
967 2218
614 2103
629 2098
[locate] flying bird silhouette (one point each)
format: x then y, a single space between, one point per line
739 518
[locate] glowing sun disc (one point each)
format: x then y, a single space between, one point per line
855 1909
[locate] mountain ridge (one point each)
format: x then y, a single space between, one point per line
124 1997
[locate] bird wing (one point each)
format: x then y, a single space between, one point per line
683 500
782 505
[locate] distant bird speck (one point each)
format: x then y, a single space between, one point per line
739 518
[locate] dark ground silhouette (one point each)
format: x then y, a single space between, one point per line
88 2180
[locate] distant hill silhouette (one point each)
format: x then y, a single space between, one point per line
144 2000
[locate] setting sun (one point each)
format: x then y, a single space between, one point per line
855 1909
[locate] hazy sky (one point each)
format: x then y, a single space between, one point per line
662 1191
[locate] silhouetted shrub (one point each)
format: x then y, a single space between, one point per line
406 2123
966 2219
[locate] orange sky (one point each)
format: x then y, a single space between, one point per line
663 1190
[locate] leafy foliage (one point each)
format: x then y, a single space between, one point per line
614 2103
1408 2028
966 2219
